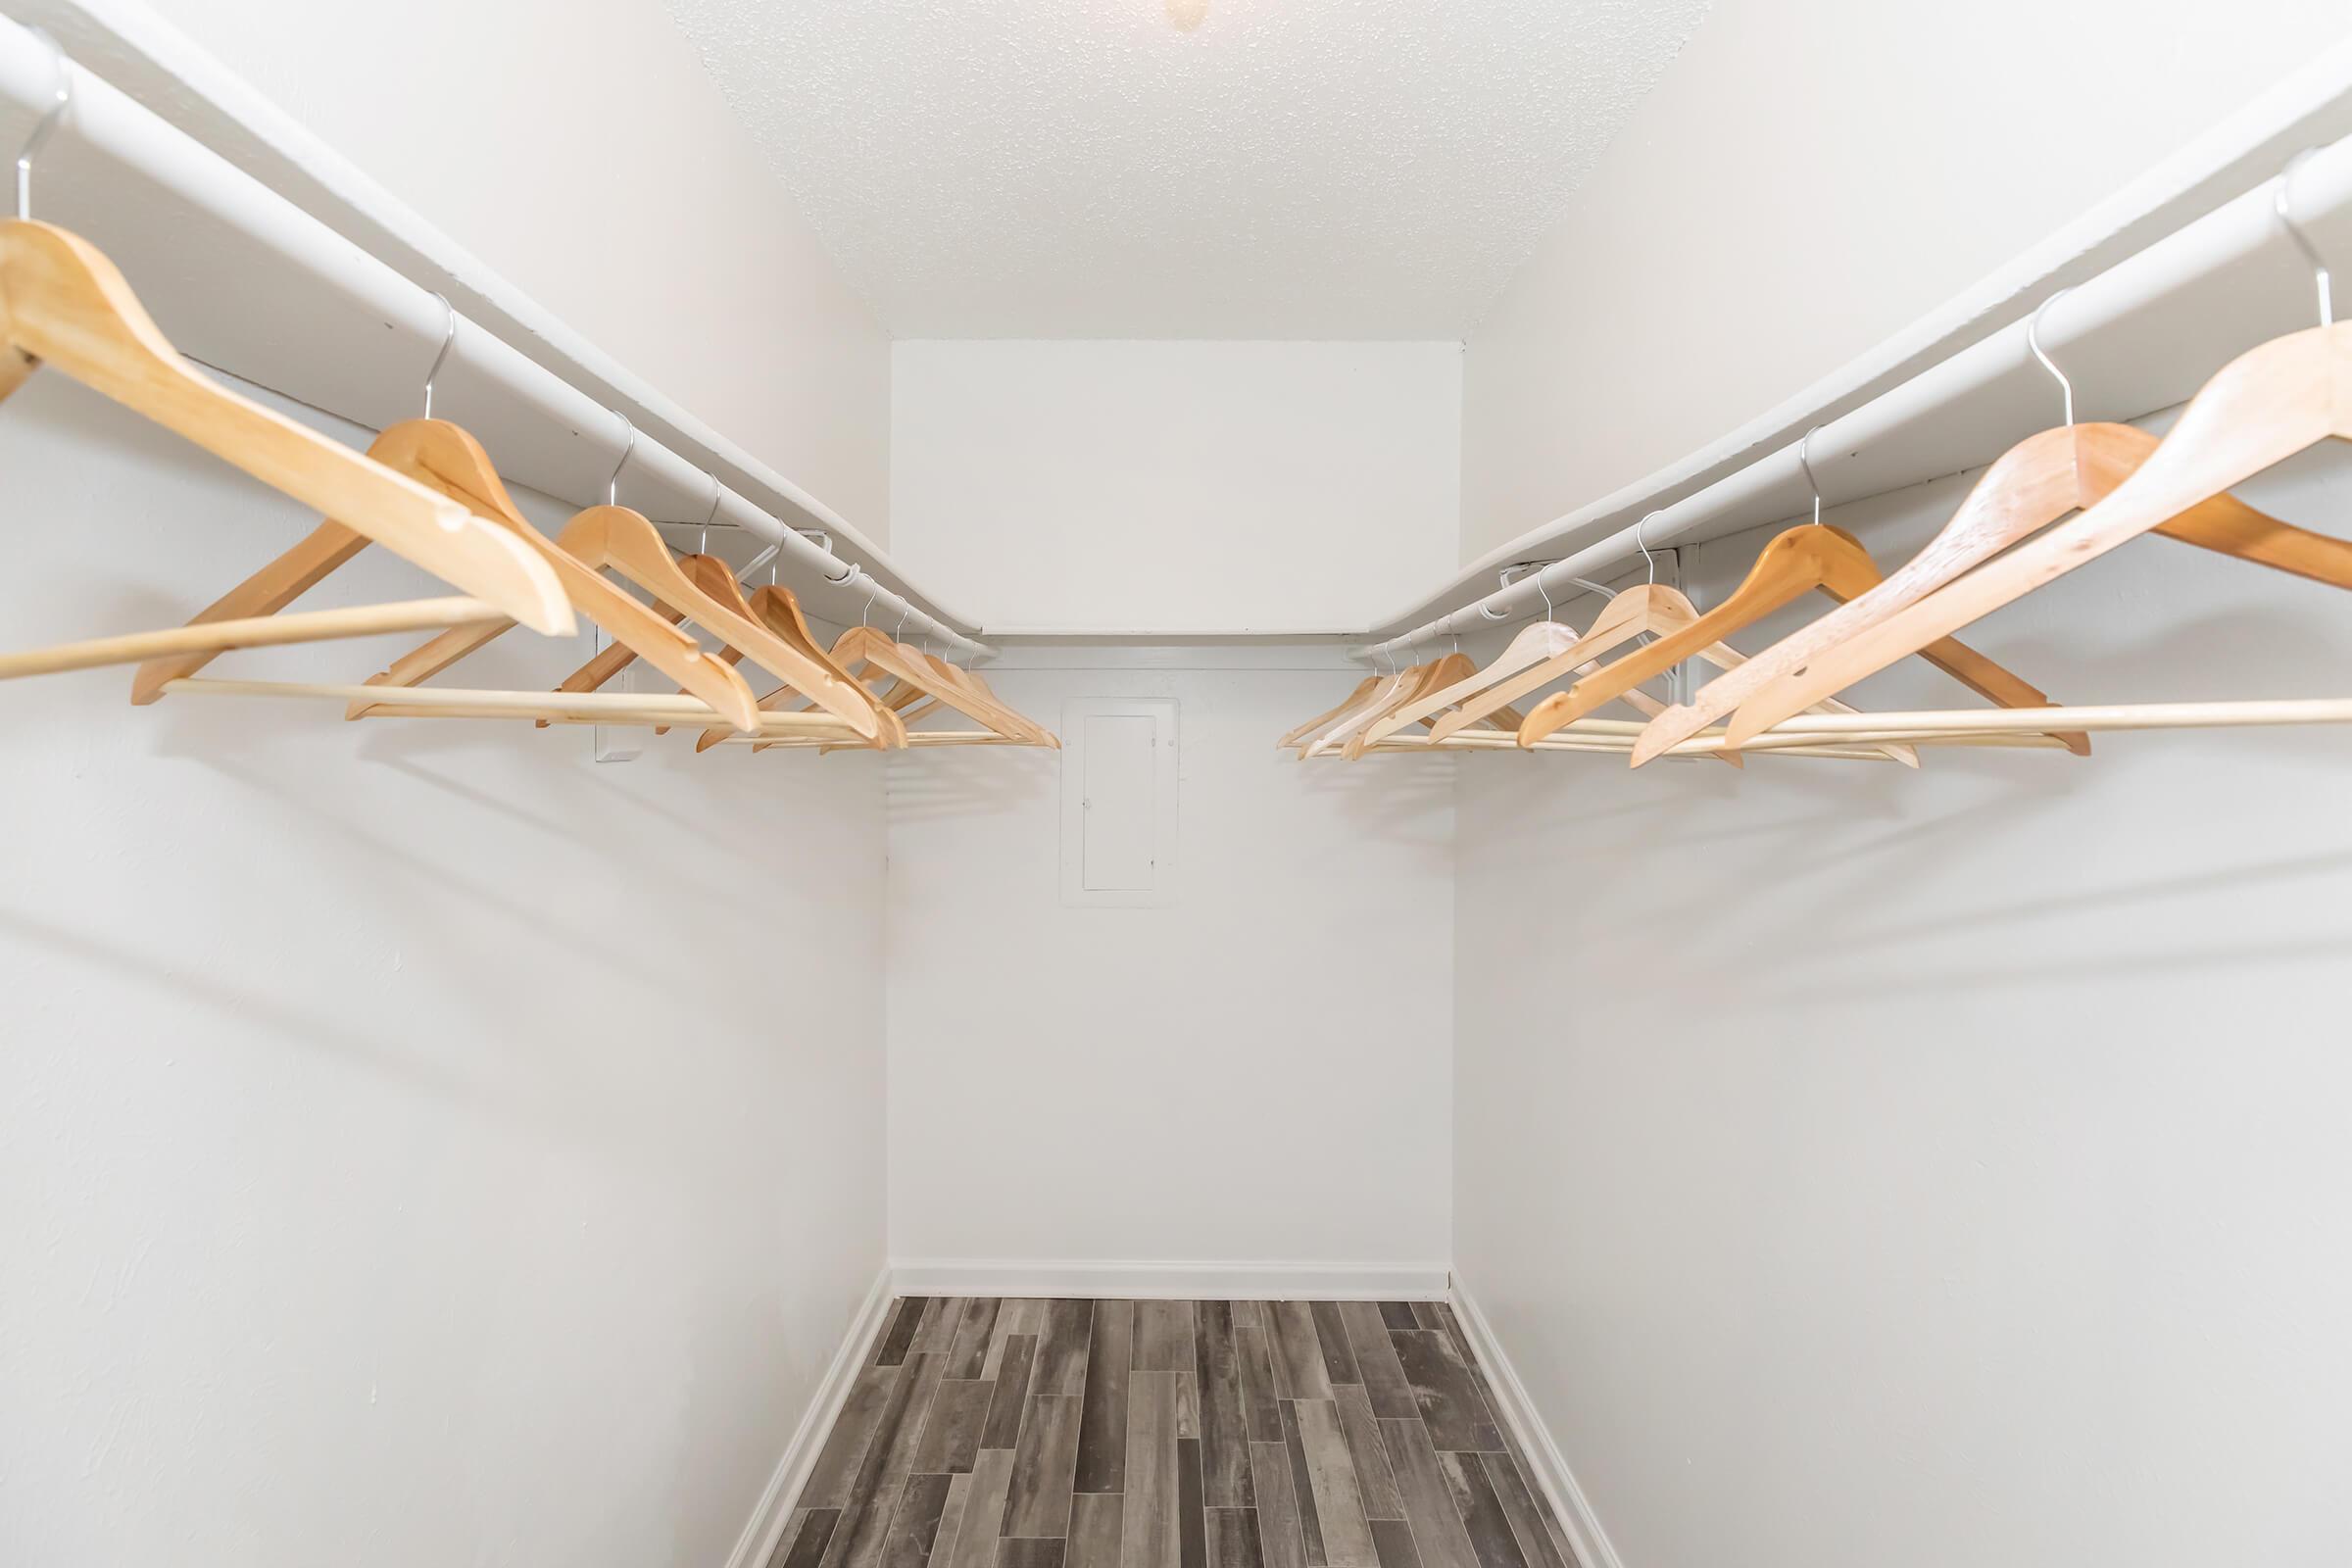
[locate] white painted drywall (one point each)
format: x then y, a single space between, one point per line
580 149
418 1143
1258 1074
1944 1169
1805 180
1176 487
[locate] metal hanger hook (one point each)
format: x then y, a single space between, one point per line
2033 342
870 594
1642 539
51 118
613 485
449 335
1804 460
1534 572
717 491
765 558
2283 202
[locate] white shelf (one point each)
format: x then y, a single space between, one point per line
268 291
1948 393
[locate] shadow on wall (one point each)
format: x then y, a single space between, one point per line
1385 800
1821 855
977 781
452 911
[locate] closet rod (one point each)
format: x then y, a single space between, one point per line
164 162
2225 281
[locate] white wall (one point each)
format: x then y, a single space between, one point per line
580 148
1943 1168
407 1130
1806 179
1259 1073
1178 487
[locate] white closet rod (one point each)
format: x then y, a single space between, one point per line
2193 284
109 124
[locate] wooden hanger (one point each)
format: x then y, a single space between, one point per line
1450 670
639 631
900 703
971 676
863 646
1651 608
1536 641
2269 403
445 457
777 608
2029 487
1363 689
1811 556
63 303
909 703
1810 737
1624 616
918 676
1033 733
850 655
1376 702
259 631
1577 738
1440 671
968 681
615 536
2032 486
545 707
774 607
2263 407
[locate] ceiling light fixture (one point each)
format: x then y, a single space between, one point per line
1188 13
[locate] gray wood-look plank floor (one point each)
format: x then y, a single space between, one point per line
990 1432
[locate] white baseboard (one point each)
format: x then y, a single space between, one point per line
1591 1543
1140 1281
760 1536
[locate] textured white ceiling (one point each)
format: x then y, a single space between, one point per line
1286 169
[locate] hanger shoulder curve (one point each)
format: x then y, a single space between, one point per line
626 540
1646 606
1299 732
302 567
2026 487
66 305
447 458
1534 642
1441 672
1791 564
2263 407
